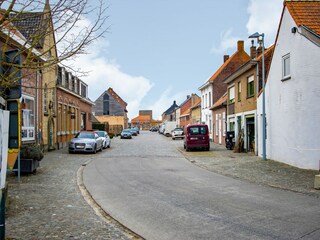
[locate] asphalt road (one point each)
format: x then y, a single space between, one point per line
148 186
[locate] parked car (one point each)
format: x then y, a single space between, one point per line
137 129
197 136
177 133
126 133
133 131
86 141
106 139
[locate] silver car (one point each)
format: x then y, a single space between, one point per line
106 139
86 141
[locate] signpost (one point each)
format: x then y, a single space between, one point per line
4 134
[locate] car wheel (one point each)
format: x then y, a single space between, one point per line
109 145
208 149
95 149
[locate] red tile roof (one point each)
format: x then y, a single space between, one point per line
305 13
142 118
236 60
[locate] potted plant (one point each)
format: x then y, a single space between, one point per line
30 156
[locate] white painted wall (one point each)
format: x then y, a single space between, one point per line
206 113
293 106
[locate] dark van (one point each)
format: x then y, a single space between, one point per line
197 136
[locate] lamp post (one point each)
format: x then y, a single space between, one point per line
257 36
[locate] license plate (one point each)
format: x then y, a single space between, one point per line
193 138
79 146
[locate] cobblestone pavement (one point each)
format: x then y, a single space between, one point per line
50 204
248 167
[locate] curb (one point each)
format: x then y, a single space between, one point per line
98 209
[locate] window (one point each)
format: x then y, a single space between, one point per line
83 90
64 118
239 91
202 101
67 80
286 66
206 100
53 102
197 130
223 123
209 99
28 130
60 117
250 90
45 93
217 125
231 126
231 95
106 105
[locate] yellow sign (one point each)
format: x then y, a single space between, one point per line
12 157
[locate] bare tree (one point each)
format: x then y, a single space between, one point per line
46 33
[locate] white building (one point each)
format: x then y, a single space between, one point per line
206 103
293 89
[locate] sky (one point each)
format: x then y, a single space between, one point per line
158 51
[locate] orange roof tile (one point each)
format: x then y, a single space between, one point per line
305 13
239 57
142 118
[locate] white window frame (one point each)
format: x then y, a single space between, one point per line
231 93
28 129
286 73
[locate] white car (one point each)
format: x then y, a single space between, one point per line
106 139
177 133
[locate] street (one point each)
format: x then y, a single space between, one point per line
148 186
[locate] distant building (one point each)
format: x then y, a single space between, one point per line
169 114
111 108
144 121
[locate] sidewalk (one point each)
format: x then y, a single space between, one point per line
248 167
50 204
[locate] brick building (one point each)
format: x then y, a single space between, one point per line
74 108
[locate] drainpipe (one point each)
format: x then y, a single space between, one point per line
256 121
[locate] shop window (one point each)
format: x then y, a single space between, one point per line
28 118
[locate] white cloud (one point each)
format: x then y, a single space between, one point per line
104 73
227 41
166 100
264 17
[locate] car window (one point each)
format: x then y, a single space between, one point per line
178 129
85 135
197 130
100 134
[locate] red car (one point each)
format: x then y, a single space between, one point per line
197 137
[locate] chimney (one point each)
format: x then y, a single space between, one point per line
188 96
240 45
253 50
174 102
225 58
259 50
